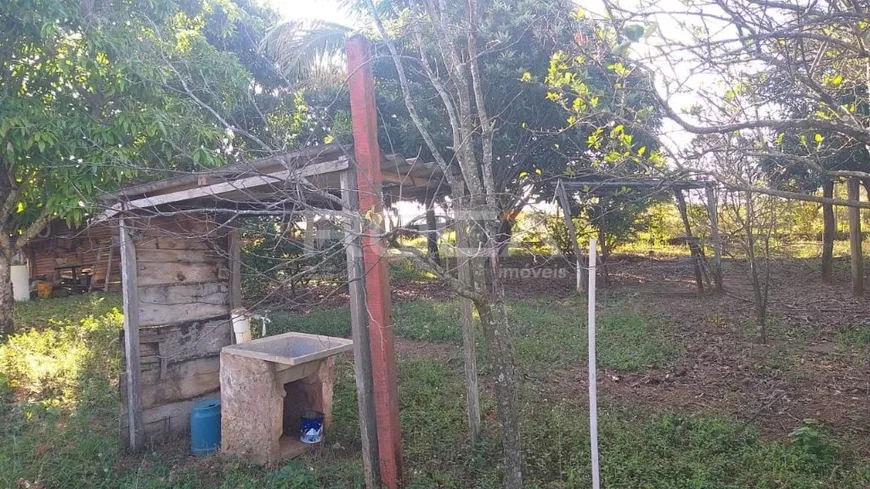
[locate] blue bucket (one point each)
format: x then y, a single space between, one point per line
205 426
311 430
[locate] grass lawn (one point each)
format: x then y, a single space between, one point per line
59 412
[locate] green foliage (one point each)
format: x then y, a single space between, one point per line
436 321
58 394
41 314
49 364
98 94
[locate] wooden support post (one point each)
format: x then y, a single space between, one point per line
713 212
693 245
370 185
579 261
234 255
856 256
432 231
602 241
362 355
472 392
829 233
130 290
92 281
109 266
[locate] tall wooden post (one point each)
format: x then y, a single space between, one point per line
857 258
370 185
362 355
234 255
132 370
713 212
109 266
828 234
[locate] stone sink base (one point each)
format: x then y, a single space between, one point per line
262 404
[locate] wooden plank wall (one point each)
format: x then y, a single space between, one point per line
183 274
89 247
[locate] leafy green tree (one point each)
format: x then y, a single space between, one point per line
532 142
96 94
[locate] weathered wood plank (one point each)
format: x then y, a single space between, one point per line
177 273
169 421
131 337
160 255
179 343
165 304
182 381
234 253
362 356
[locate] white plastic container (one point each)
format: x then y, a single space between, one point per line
20 282
241 324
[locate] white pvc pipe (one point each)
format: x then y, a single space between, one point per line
579 277
593 378
241 324
20 282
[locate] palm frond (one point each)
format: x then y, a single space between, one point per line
306 50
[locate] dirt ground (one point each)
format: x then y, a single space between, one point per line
803 372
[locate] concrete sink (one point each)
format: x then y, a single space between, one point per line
291 348
266 386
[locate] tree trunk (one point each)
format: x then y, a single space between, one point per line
496 332
493 319
503 238
605 253
579 260
830 228
759 290
694 248
7 300
432 233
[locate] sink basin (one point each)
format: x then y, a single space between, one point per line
291 348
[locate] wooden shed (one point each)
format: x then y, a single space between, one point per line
179 249
180 261
91 251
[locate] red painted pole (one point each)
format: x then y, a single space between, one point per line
377 279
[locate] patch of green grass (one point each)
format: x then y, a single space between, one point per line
673 451
545 332
404 270
40 314
64 433
58 389
436 321
554 333
330 322
858 336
